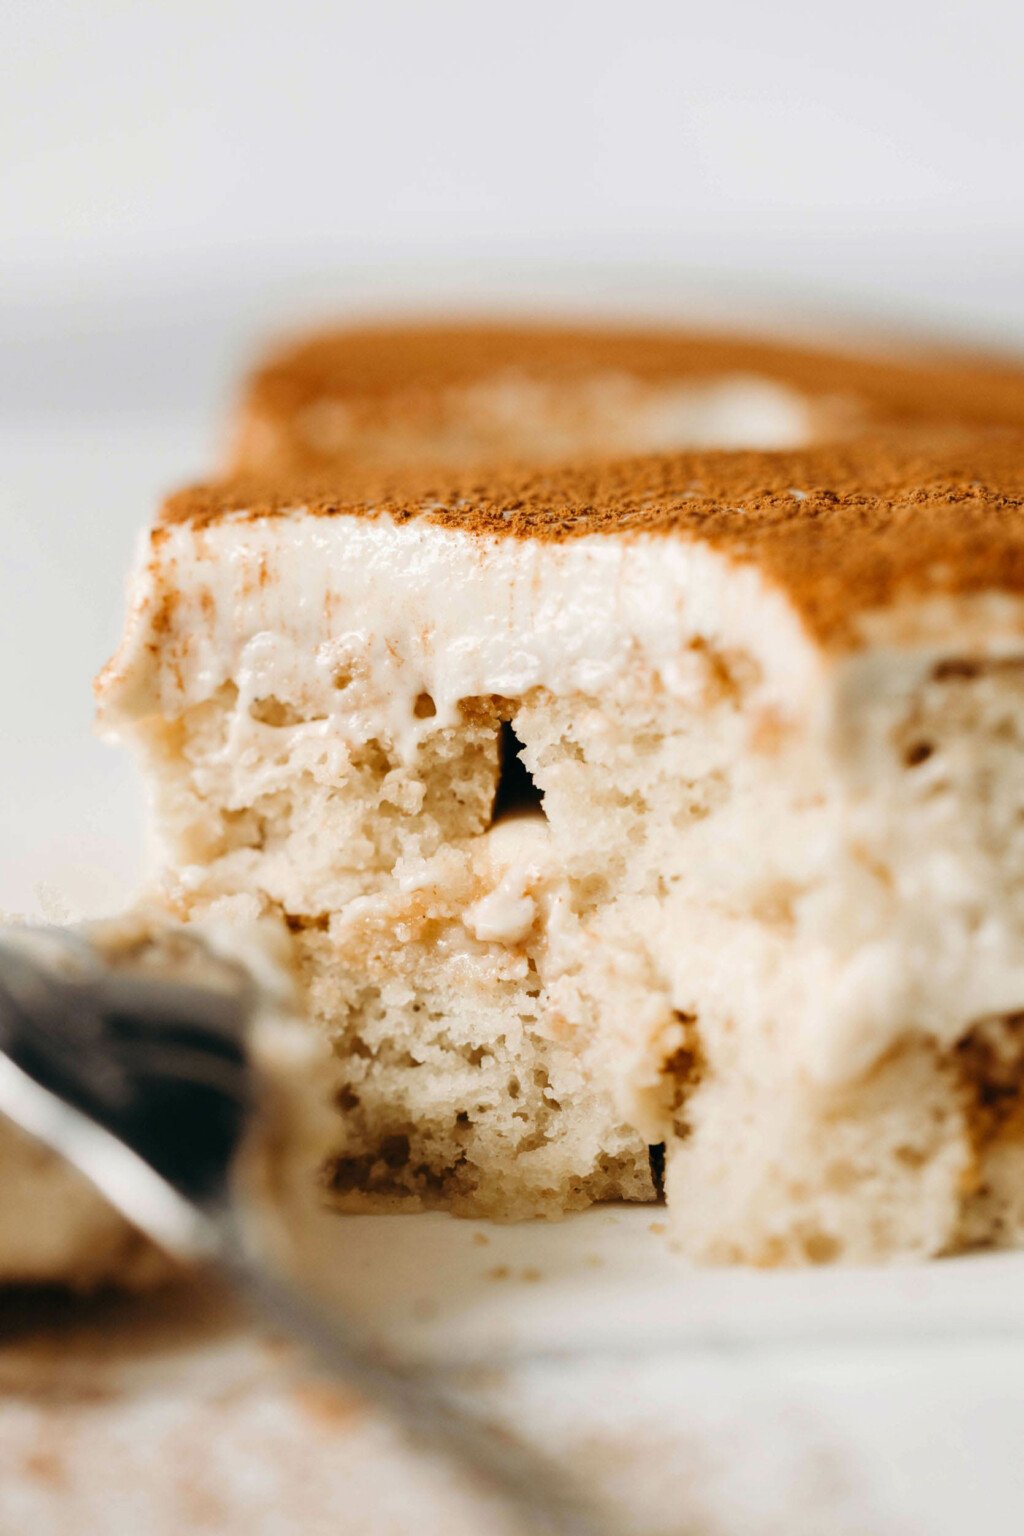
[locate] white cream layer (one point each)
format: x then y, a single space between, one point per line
334 613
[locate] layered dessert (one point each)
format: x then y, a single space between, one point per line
631 822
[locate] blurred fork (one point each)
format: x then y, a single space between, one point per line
145 1085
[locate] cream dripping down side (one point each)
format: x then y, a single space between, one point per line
330 611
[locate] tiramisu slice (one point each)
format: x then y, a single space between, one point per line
674 801
382 397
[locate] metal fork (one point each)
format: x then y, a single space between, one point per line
145 1085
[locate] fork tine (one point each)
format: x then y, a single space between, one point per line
163 1005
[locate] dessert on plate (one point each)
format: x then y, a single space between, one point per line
633 823
663 802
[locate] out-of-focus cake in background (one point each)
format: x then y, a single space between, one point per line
383 397
663 801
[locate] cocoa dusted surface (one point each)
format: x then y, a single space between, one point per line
842 528
399 373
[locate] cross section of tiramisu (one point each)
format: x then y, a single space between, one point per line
672 801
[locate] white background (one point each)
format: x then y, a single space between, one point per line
176 179
233 160
200 136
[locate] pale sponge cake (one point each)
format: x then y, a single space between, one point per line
382 397
759 896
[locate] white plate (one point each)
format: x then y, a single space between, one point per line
689 1402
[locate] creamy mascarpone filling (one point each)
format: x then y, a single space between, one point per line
291 606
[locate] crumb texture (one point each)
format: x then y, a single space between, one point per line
419 933
802 977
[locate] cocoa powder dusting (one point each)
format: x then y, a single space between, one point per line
843 528
401 372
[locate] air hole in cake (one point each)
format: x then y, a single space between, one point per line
683 1072
656 1159
517 793
275 712
243 829
917 753
990 1065
394 1151
821 1247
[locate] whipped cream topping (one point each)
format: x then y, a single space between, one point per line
343 617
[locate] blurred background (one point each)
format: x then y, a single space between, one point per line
178 179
